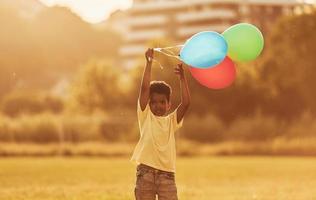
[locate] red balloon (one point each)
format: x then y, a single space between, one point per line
218 77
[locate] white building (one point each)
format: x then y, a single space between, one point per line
178 20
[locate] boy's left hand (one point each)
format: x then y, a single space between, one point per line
179 70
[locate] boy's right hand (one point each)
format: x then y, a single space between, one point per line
149 54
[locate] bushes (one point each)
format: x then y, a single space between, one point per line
66 134
205 128
42 128
52 128
39 129
257 128
304 127
211 129
17 103
76 128
6 129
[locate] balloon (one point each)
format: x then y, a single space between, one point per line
217 77
245 42
204 50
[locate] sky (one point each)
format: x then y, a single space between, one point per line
92 11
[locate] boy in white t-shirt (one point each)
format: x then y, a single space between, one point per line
155 153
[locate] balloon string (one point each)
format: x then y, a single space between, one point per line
167 48
169 53
171 47
161 67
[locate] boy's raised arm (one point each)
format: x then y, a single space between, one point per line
185 93
144 88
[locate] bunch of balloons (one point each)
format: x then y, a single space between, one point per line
211 55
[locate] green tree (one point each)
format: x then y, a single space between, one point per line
288 69
97 86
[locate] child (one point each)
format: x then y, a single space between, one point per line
155 152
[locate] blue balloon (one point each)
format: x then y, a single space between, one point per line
204 50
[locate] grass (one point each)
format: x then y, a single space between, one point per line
200 178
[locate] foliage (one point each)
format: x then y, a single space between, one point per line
97 86
37 51
288 67
73 128
18 102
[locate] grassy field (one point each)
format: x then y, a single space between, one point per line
202 178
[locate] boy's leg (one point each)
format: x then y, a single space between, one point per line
145 186
144 195
167 189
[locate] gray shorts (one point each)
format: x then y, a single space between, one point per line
151 182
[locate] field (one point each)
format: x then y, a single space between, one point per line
199 178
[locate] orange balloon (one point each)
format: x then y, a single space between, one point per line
218 77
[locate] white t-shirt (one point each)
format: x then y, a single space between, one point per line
156 146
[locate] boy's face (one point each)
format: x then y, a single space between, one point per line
159 104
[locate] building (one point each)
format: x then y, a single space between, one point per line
178 20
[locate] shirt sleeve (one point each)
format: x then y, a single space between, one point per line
142 114
174 122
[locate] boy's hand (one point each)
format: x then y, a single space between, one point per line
179 70
149 55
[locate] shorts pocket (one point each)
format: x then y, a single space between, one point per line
167 183
145 180
169 176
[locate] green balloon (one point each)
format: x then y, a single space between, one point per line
245 42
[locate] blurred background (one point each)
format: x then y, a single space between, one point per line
70 73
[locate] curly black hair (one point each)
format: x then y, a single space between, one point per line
160 87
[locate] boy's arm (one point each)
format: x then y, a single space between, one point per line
185 93
144 88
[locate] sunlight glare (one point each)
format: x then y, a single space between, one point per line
93 11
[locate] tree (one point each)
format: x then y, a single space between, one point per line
36 52
288 68
97 86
